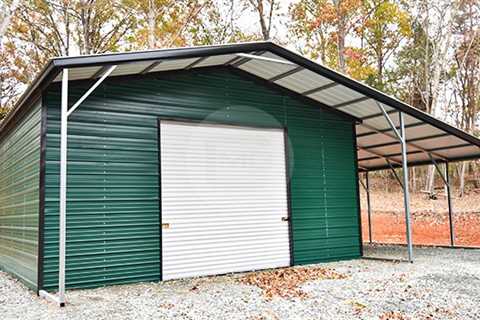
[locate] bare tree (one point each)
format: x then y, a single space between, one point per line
265 11
466 80
101 25
437 19
341 35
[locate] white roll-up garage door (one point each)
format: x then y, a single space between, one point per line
224 199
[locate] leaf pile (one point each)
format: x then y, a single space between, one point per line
285 283
393 315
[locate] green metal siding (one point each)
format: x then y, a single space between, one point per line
113 211
19 198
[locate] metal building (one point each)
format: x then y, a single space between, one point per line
196 161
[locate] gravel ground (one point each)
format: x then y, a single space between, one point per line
441 284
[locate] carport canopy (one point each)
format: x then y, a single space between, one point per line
377 114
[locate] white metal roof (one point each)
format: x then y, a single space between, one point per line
376 141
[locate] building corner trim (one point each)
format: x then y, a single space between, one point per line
41 210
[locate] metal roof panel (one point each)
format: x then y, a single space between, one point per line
303 81
313 76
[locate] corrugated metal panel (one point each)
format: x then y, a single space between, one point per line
112 210
457 152
378 162
215 60
363 108
302 81
131 68
335 95
80 73
392 149
372 139
257 68
439 142
224 194
173 64
112 217
325 225
19 195
421 131
381 123
271 55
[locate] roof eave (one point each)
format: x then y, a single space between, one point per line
372 93
52 69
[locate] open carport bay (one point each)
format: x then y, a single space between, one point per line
441 284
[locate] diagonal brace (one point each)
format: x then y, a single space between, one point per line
92 88
390 122
363 184
395 175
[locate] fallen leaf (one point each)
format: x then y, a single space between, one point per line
194 289
357 306
393 315
285 282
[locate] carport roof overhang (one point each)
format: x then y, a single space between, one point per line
378 146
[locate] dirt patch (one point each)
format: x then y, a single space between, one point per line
430 223
285 283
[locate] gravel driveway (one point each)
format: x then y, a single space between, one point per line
441 284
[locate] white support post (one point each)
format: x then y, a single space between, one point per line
64 114
406 192
63 188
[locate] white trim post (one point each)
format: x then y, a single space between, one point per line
65 113
63 188
406 192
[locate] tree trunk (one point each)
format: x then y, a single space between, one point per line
67 28
341 51
462 179
151 16
430 183
265 25
85 27
439 51
341 29
414 179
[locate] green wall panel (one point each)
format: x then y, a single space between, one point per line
19 198
113 196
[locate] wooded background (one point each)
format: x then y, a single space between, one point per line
424 52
